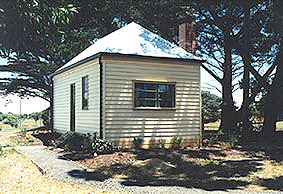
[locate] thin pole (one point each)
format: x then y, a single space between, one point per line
21 113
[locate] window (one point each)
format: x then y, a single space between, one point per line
85 93
153 95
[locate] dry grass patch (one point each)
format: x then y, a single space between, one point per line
19 175
5 137
212 126
279 125
211 168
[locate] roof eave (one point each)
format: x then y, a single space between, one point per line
75 64
119 54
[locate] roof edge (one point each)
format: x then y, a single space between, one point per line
75 64
122 55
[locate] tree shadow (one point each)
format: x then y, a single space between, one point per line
81 174
273 184
173 168
270 149
45 136
190 168
74 155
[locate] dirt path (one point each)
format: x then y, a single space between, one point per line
18 175
5 137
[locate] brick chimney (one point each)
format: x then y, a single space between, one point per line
187 37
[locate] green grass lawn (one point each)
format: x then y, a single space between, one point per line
26 124
212 126
215 125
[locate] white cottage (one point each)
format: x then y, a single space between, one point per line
130 83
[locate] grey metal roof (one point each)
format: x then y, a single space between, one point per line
132 39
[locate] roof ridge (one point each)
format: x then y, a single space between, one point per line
133 39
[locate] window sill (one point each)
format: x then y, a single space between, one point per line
154 108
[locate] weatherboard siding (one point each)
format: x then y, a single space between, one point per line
122 122
86 121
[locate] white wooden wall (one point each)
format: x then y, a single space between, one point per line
87 121
122 123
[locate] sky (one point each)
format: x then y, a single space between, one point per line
11 103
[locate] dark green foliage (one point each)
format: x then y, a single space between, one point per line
37 50
1 150
137 142
234 39
12 119
211 107
2 116
213 140
35 116
256 109
46 117
87 143
50 33
177 142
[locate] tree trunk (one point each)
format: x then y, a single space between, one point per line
246 55
270 116
228 109
245 105
273 101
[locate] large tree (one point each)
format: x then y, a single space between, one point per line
231 39
273 100
32 39
37 37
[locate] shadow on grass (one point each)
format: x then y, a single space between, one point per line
172 168
274 184
75 156
270 149
80 174
189 168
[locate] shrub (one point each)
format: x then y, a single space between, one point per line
46 117
177 142
211 105
83 143
205 141
213 140
137 142
100 146
1 151
154 147
23 133
162 143
233 140
12 120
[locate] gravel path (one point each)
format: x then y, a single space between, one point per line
69 172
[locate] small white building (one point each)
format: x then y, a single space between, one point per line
130 83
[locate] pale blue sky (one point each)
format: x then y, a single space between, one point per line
12 103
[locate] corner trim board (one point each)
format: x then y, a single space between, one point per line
101 97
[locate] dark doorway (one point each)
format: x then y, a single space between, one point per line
73 107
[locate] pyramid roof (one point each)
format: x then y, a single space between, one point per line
132 39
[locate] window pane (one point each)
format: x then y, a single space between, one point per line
154 95
139 94
166 95
84 92
150 103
